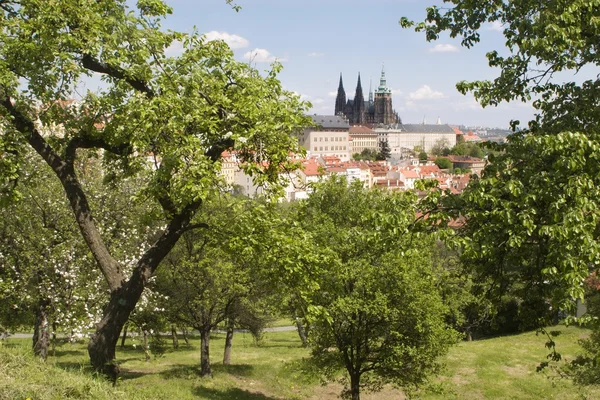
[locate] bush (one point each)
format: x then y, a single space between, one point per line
443 163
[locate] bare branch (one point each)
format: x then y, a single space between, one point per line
91 63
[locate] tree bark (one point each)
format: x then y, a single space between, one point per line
124 336
204 351
185 336
54 327
102 346
174 336
146 348
41 334
228 345
355 386
301 332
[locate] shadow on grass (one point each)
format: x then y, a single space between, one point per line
61 353
274 342
239 370
228 394
126 375
187 371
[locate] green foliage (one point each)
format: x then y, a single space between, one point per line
423 156
366 155
467 149
160 121
384 150
383 317
443 163
532 220
543 39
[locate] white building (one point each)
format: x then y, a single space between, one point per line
406 137
330 137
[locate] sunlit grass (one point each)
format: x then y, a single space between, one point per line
498 368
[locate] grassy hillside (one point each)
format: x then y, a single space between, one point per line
499 368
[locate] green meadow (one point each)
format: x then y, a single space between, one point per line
275 368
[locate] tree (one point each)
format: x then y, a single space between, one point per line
423 156
178 113
383 317
45 264
443 163
537 199
384 150
207 284
440 147
366 155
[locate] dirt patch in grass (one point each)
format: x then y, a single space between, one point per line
462 376
518 370
332 391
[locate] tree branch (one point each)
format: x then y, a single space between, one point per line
87 142
91 63
77 199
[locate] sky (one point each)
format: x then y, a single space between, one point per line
316 40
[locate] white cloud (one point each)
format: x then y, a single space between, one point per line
262 56
318 101
396 91
234 41
496 26
315 54
425 93
443 48
175 49
468 103
332 94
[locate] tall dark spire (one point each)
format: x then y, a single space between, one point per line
340 100
359 104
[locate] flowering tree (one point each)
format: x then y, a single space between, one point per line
177 113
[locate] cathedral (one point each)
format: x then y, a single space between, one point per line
377 110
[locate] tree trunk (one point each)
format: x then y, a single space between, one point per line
185 336
174 336
469 336
228 344
146 348
41 334
103 343
355 386
124 337
204 351
301 332
54 327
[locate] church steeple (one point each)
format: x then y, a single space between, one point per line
383 83
359 104
370 92
340 100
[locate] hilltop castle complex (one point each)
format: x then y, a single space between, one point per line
376 110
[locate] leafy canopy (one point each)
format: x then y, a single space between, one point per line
532 220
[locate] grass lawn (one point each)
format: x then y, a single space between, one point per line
499 368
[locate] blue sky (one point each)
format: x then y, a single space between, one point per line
316 40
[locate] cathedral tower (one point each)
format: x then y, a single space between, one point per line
358 112
384 113
340 100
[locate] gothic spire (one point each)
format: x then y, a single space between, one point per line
359 104
340 100
370 92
